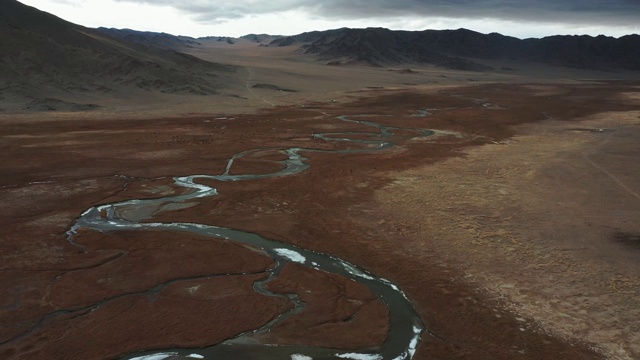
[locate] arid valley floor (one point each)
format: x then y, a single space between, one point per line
514 230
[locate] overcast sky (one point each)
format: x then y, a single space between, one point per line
520 18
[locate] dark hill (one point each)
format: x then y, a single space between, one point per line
260 38
454 48
381 47
306 37
43 56
150 39
225 39
588 52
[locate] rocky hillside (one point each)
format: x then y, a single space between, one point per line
381 47
150 39
260 38
464 49
44 58
587 52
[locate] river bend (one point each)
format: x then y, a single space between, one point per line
406 327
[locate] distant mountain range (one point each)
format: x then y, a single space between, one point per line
460 49
464 49
43 57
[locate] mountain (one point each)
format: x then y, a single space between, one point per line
373 46
260 38
306 37
150 39
225 39
45 58
464 49
586 52
381 47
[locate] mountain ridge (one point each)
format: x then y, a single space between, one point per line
434 46
45 57
150 39
459 49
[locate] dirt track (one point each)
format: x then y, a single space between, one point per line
427 215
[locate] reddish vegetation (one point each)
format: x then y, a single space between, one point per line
339 313
220 308
81 163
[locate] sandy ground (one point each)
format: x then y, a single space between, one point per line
547 221
514 231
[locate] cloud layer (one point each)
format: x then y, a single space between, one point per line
580 12
519 18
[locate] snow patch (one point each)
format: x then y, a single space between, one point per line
355 271
159 356
291 255
356 356
300 357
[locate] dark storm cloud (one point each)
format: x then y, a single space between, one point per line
583 12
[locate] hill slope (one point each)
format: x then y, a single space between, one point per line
150 39
586 52
381 47
43 56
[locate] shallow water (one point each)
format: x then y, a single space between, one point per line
405 325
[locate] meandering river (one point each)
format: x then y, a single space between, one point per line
406 327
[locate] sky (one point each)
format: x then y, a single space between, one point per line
197 18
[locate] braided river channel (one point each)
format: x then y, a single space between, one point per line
406 328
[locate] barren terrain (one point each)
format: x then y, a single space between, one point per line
514 229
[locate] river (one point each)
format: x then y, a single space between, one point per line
406 328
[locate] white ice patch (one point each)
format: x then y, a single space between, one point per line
160 356
393 286
120 225
204 227
291 255
300 357
196 356
353 271
204 190
206 193
413 345
356 356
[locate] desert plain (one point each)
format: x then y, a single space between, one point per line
514 229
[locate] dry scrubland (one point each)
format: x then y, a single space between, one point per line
515 231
